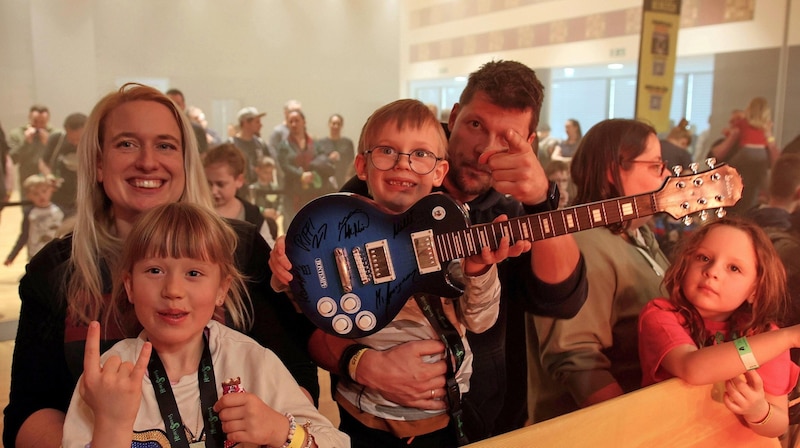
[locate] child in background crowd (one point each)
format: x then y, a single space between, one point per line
42 221
225 167
177 272
727 289
262 192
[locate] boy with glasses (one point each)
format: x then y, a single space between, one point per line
402 157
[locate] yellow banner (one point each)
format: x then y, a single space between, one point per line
657 53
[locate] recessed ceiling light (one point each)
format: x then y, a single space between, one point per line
569 71
615 66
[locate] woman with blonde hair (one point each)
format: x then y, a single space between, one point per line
756 150
137 152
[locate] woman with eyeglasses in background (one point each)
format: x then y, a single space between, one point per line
594 357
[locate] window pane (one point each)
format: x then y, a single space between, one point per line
585 100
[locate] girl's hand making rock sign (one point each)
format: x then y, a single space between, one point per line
114 417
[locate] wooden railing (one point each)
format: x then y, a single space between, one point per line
670 414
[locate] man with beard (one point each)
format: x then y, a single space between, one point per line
494 171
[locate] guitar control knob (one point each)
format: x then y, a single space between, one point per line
350 303
366 321
342 324
326 307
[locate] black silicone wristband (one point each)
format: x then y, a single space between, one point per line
549 204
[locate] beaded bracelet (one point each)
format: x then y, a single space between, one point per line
309 436
292 429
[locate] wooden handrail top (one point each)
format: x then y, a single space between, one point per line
670 414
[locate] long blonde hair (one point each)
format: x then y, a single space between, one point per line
95 247
758 113
181 230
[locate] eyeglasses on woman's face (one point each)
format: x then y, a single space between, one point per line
421 161
657 167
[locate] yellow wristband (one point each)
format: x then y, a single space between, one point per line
353 365
299 438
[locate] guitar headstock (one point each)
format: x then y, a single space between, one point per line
719 187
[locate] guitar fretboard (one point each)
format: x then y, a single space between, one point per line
470 241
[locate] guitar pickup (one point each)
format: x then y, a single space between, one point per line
380 261
343 266
427 260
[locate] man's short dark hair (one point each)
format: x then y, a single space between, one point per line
785 176
510 85
174 92
38 108
74 121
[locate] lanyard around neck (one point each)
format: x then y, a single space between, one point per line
176 433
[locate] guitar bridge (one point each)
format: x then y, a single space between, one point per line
361 265
380 261
425 251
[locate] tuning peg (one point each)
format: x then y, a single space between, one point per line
677 169
704 216
687 220
693 166
711 162
721 213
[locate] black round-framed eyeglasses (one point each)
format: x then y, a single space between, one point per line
421 161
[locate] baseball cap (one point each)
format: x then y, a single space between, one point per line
248 113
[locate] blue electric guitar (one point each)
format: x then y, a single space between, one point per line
355 264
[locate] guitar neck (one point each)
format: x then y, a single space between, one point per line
470 241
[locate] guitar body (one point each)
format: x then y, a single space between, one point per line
355 265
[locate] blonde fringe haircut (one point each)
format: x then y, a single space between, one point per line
404 114
95 246
181 230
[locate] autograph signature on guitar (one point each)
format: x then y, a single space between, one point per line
355 264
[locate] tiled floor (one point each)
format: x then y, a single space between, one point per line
10 220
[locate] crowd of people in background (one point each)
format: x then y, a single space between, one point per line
560 314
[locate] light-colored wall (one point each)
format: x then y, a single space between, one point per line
763 28
738 32
332 55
